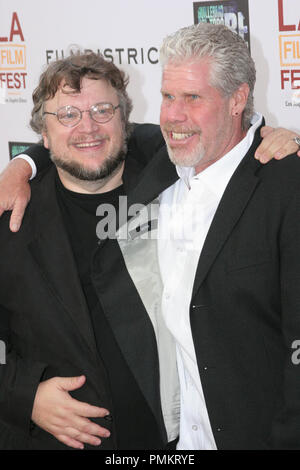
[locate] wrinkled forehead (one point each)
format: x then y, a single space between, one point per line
200 64
190 74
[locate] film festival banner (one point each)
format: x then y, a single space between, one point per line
13 72
131 39
289 53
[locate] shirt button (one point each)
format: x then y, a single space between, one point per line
195 427
167 296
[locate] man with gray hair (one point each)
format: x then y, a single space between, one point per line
229 252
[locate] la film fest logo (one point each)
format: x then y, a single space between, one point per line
232 13
13 63
289 49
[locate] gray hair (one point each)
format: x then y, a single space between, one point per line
72 70
231 63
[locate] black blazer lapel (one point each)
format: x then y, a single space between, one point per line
129 321
52 252
234 200
158 175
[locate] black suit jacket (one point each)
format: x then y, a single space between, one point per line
45 322
245 307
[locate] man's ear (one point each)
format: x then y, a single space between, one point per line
239 99
45 139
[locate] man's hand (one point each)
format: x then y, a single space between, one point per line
15 191
277 143
55 411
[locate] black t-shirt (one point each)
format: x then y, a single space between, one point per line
134 421
79 215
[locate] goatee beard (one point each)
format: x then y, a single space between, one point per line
108 167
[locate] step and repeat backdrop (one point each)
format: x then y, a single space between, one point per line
129 33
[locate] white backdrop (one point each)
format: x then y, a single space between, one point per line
130 33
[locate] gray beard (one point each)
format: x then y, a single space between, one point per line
108 167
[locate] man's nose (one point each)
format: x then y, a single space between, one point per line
87 124
176 111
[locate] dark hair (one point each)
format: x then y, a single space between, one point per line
72 70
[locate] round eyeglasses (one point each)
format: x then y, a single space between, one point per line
70 116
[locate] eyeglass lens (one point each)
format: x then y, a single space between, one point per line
101 112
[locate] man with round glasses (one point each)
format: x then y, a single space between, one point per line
70 116
84 356
89 144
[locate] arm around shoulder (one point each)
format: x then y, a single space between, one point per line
14 186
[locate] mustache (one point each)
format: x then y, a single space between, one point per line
87 138
181 129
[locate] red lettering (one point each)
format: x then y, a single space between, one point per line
17 81
290 76
282 26
23 75
9 80
15 31
295 78
283 78
13 80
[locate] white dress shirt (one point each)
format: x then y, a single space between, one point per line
187 209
